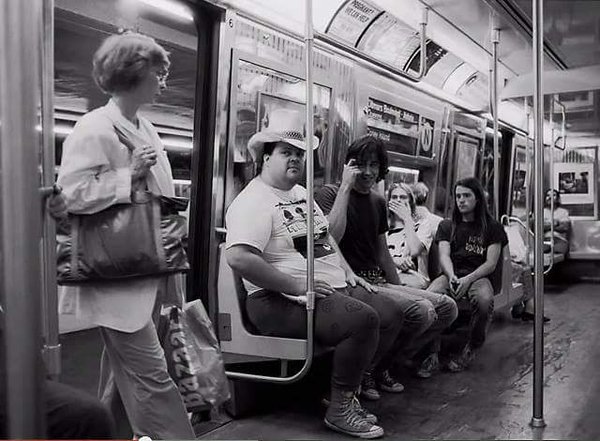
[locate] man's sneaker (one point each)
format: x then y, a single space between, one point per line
325 402
342 416
463 361
388 384
364 413
429 366
368 388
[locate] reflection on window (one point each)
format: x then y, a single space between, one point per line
520 183
260 92
391 41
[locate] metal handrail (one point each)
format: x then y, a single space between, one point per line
506 221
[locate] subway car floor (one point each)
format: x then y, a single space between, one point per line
491 400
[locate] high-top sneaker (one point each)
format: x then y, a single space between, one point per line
387 383
342 416
368 388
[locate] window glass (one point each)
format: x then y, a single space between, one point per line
80 28
258 93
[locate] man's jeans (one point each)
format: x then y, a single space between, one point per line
480 298
426 315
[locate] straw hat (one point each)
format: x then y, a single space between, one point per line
285 125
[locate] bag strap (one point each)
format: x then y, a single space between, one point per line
75 224
123 138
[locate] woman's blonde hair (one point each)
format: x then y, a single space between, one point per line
408 191
123 61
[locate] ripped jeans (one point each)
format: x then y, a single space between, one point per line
426 315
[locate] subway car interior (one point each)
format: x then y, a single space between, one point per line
507 91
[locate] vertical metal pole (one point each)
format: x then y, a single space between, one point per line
20 226
495 102
528 182
49 296
538 110
310 294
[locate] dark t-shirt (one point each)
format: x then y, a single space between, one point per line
468 250
366 219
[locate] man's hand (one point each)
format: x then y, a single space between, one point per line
322 288
404 264
461 286
353 280
351 171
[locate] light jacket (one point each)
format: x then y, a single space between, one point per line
94 175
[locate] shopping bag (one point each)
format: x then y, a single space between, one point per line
516 244
193 356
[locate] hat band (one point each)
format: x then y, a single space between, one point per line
293 135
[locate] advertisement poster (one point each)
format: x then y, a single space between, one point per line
351 20
575 182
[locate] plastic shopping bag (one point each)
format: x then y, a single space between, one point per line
193 356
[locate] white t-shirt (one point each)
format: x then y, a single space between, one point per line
426 227
274 222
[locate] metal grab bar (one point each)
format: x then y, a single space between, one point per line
293 378
507 220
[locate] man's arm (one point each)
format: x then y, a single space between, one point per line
385 261
248 262
445 260
338 214
487 267
338 211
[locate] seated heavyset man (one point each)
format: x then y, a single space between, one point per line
358 217
266 245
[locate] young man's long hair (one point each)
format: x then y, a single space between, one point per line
481 212
366 144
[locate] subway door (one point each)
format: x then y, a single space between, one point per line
463 158
209 100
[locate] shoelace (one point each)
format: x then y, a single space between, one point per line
364 413
352 416
369 381
387 378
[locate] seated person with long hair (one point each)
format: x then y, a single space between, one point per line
470 246
409 237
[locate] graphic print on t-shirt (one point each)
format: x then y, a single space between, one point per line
293 216
475 245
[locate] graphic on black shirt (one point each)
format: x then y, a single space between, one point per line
475 245
468 245
293 216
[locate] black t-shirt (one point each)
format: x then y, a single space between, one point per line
366 219
468 250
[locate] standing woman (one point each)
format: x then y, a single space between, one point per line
98 171
470 246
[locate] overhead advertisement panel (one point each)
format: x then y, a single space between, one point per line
402 130
351 20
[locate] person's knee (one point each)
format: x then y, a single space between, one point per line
420 317
440 285
363 318
482 294
447 310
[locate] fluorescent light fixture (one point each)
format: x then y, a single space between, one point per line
176 143
182 182
170 7
403 170
58 129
